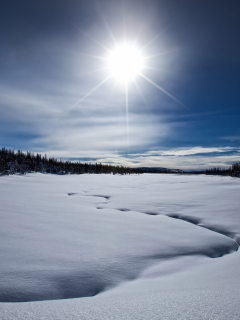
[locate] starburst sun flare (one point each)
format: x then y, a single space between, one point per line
125 62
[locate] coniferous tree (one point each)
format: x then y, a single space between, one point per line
18 162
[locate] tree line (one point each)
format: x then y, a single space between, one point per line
12 162
233 171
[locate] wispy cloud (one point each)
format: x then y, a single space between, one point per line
192 151
191 158
94 127
96 131
172 159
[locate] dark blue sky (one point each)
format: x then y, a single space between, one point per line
48 65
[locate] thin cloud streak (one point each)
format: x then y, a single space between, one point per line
173 159
192 151
189 162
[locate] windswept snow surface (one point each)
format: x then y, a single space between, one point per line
125 247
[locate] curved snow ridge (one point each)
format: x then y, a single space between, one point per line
87 195
216 253
197 222
104 197
211 252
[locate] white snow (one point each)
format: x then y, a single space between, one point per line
149 246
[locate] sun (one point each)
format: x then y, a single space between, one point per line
125 62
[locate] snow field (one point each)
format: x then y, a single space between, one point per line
117 236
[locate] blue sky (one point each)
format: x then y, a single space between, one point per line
49 54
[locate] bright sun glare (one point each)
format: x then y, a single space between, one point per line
125 62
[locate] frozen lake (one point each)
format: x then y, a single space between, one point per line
149 246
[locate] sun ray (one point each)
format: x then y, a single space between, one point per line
161 89
99 43
90 37
138 35
160 54
140 92
92 56
155 69
127 117
91 91
154 38
148 43
142 96
141 29
124 24
112 90
93 71
109 30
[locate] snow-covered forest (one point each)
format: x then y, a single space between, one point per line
12 162
233 171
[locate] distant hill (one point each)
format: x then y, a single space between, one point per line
159 170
